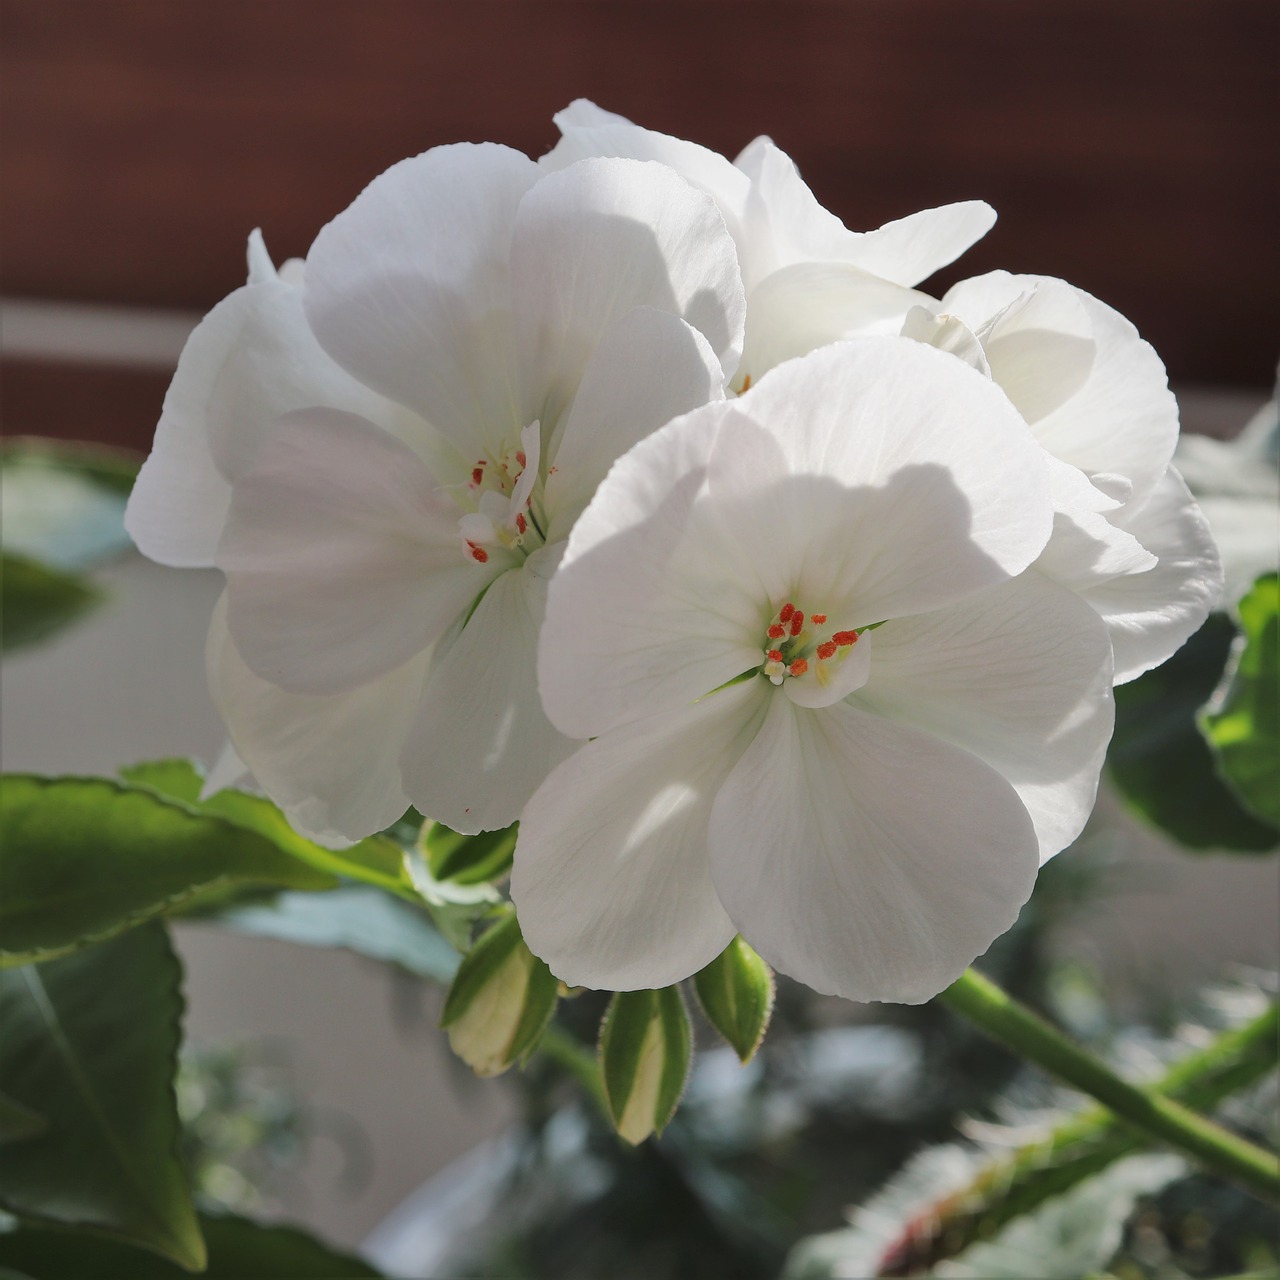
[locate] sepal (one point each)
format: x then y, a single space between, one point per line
736 992
645 1052
500 1002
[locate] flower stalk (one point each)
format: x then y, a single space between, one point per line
1002 1018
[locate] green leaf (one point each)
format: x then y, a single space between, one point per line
463 859
238 1250
361 919
91 1043
36 600
1244 727
501 1001
112 469
1161 762
645 1052
58 506
455 908
85 858
1072 1235
17 1123
375 860
736 993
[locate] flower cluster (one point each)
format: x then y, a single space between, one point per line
628 494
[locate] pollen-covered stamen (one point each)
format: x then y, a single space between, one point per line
792 649
503 487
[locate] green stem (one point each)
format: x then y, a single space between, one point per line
578 1061
1159 1117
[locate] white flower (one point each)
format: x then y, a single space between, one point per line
1129 537
827 712
386 456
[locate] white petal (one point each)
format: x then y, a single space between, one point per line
252 358
1041 349
342 556
331 762
785 213
481 743
809 304
648 368
1085 548
612 879
648 610
1151 614
947 333
911 249
1021 677
834 679
409 289
1124 419
865 858
588 131
601 237
931 484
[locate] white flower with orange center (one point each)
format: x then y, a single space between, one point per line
385 450
829 708
1129 537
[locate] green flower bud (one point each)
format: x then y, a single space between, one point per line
500 1002
645 1051
736 993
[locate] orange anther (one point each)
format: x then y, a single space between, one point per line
818 619
520 457
521 523
479 554
797 621
776 632
775 655
827 648
798 667
787 611
843 638
477 475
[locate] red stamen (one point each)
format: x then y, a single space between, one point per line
797 621
818 619
787 611
798 667
520 457
843 638
477 475
775 655
826 649
479 554
521 523
776 632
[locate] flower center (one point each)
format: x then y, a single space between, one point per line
797 644
501 495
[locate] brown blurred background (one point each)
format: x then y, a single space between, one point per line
1128 146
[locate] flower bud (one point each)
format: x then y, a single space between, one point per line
500 1002
736 993
645 1050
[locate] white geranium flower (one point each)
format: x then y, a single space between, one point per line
827 711
1129 536
386 457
